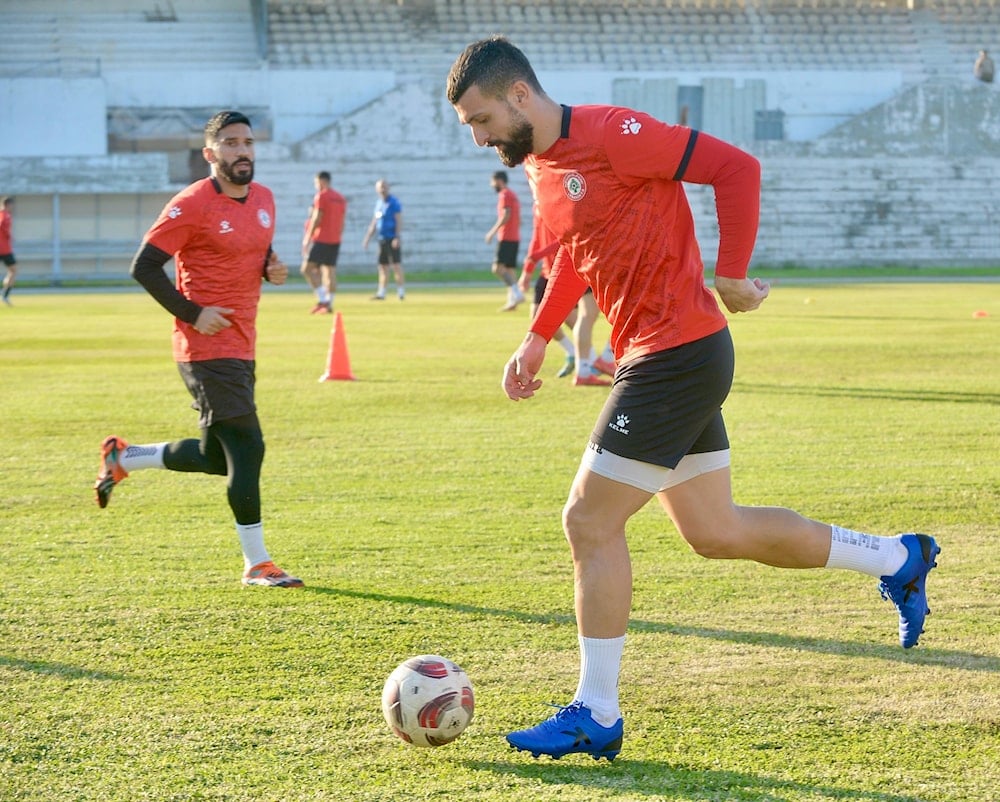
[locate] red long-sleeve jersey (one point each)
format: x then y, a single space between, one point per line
610 189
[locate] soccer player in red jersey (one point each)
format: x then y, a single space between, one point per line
7 247
219 232
608 183
507 230
321 243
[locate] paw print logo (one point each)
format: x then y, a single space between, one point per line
631 125
174 213
621 423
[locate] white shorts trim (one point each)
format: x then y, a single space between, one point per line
649 477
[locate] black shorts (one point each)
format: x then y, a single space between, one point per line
507 253
8 259
324 253
540 284
387 255
221 388
669 404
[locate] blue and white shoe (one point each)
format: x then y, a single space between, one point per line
568 367
572 729
907 589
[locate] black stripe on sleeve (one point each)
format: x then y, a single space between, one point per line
682 167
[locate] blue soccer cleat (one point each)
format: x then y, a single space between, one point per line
907 589
572 729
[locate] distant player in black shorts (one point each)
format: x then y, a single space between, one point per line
321 243
507 230
7 247
386 226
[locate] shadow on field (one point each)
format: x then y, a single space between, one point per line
949 658
876 393
58 669
631 777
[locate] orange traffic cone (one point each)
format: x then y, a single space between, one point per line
338 363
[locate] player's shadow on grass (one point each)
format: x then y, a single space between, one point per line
868 393
950 658
644 777
63 670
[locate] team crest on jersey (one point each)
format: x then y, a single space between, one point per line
575 186
174 213
263 218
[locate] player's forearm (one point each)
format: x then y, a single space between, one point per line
562 292
735 177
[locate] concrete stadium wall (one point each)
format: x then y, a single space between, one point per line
53 117
910 181
842 200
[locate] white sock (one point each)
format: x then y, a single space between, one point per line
400 292
600 662
252 543
869 554
584 367
330 298
567 346
136 458
607 354
323 295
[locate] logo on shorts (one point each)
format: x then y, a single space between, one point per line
263 218
575 186
620 424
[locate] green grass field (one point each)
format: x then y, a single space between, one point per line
421 507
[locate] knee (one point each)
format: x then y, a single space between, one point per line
709 548
255 447
716 542
582 528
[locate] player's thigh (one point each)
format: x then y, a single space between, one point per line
598 507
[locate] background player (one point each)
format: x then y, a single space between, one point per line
321 242
507 230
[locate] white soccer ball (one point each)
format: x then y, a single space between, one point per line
428 700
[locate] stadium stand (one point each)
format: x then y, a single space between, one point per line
878 146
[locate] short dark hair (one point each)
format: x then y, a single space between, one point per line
220 121
501 175
323 175
7 199
492 64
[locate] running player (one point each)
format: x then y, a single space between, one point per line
7 247
219 233
608 183
321 243
507 230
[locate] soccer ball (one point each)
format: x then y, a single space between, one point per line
428 700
